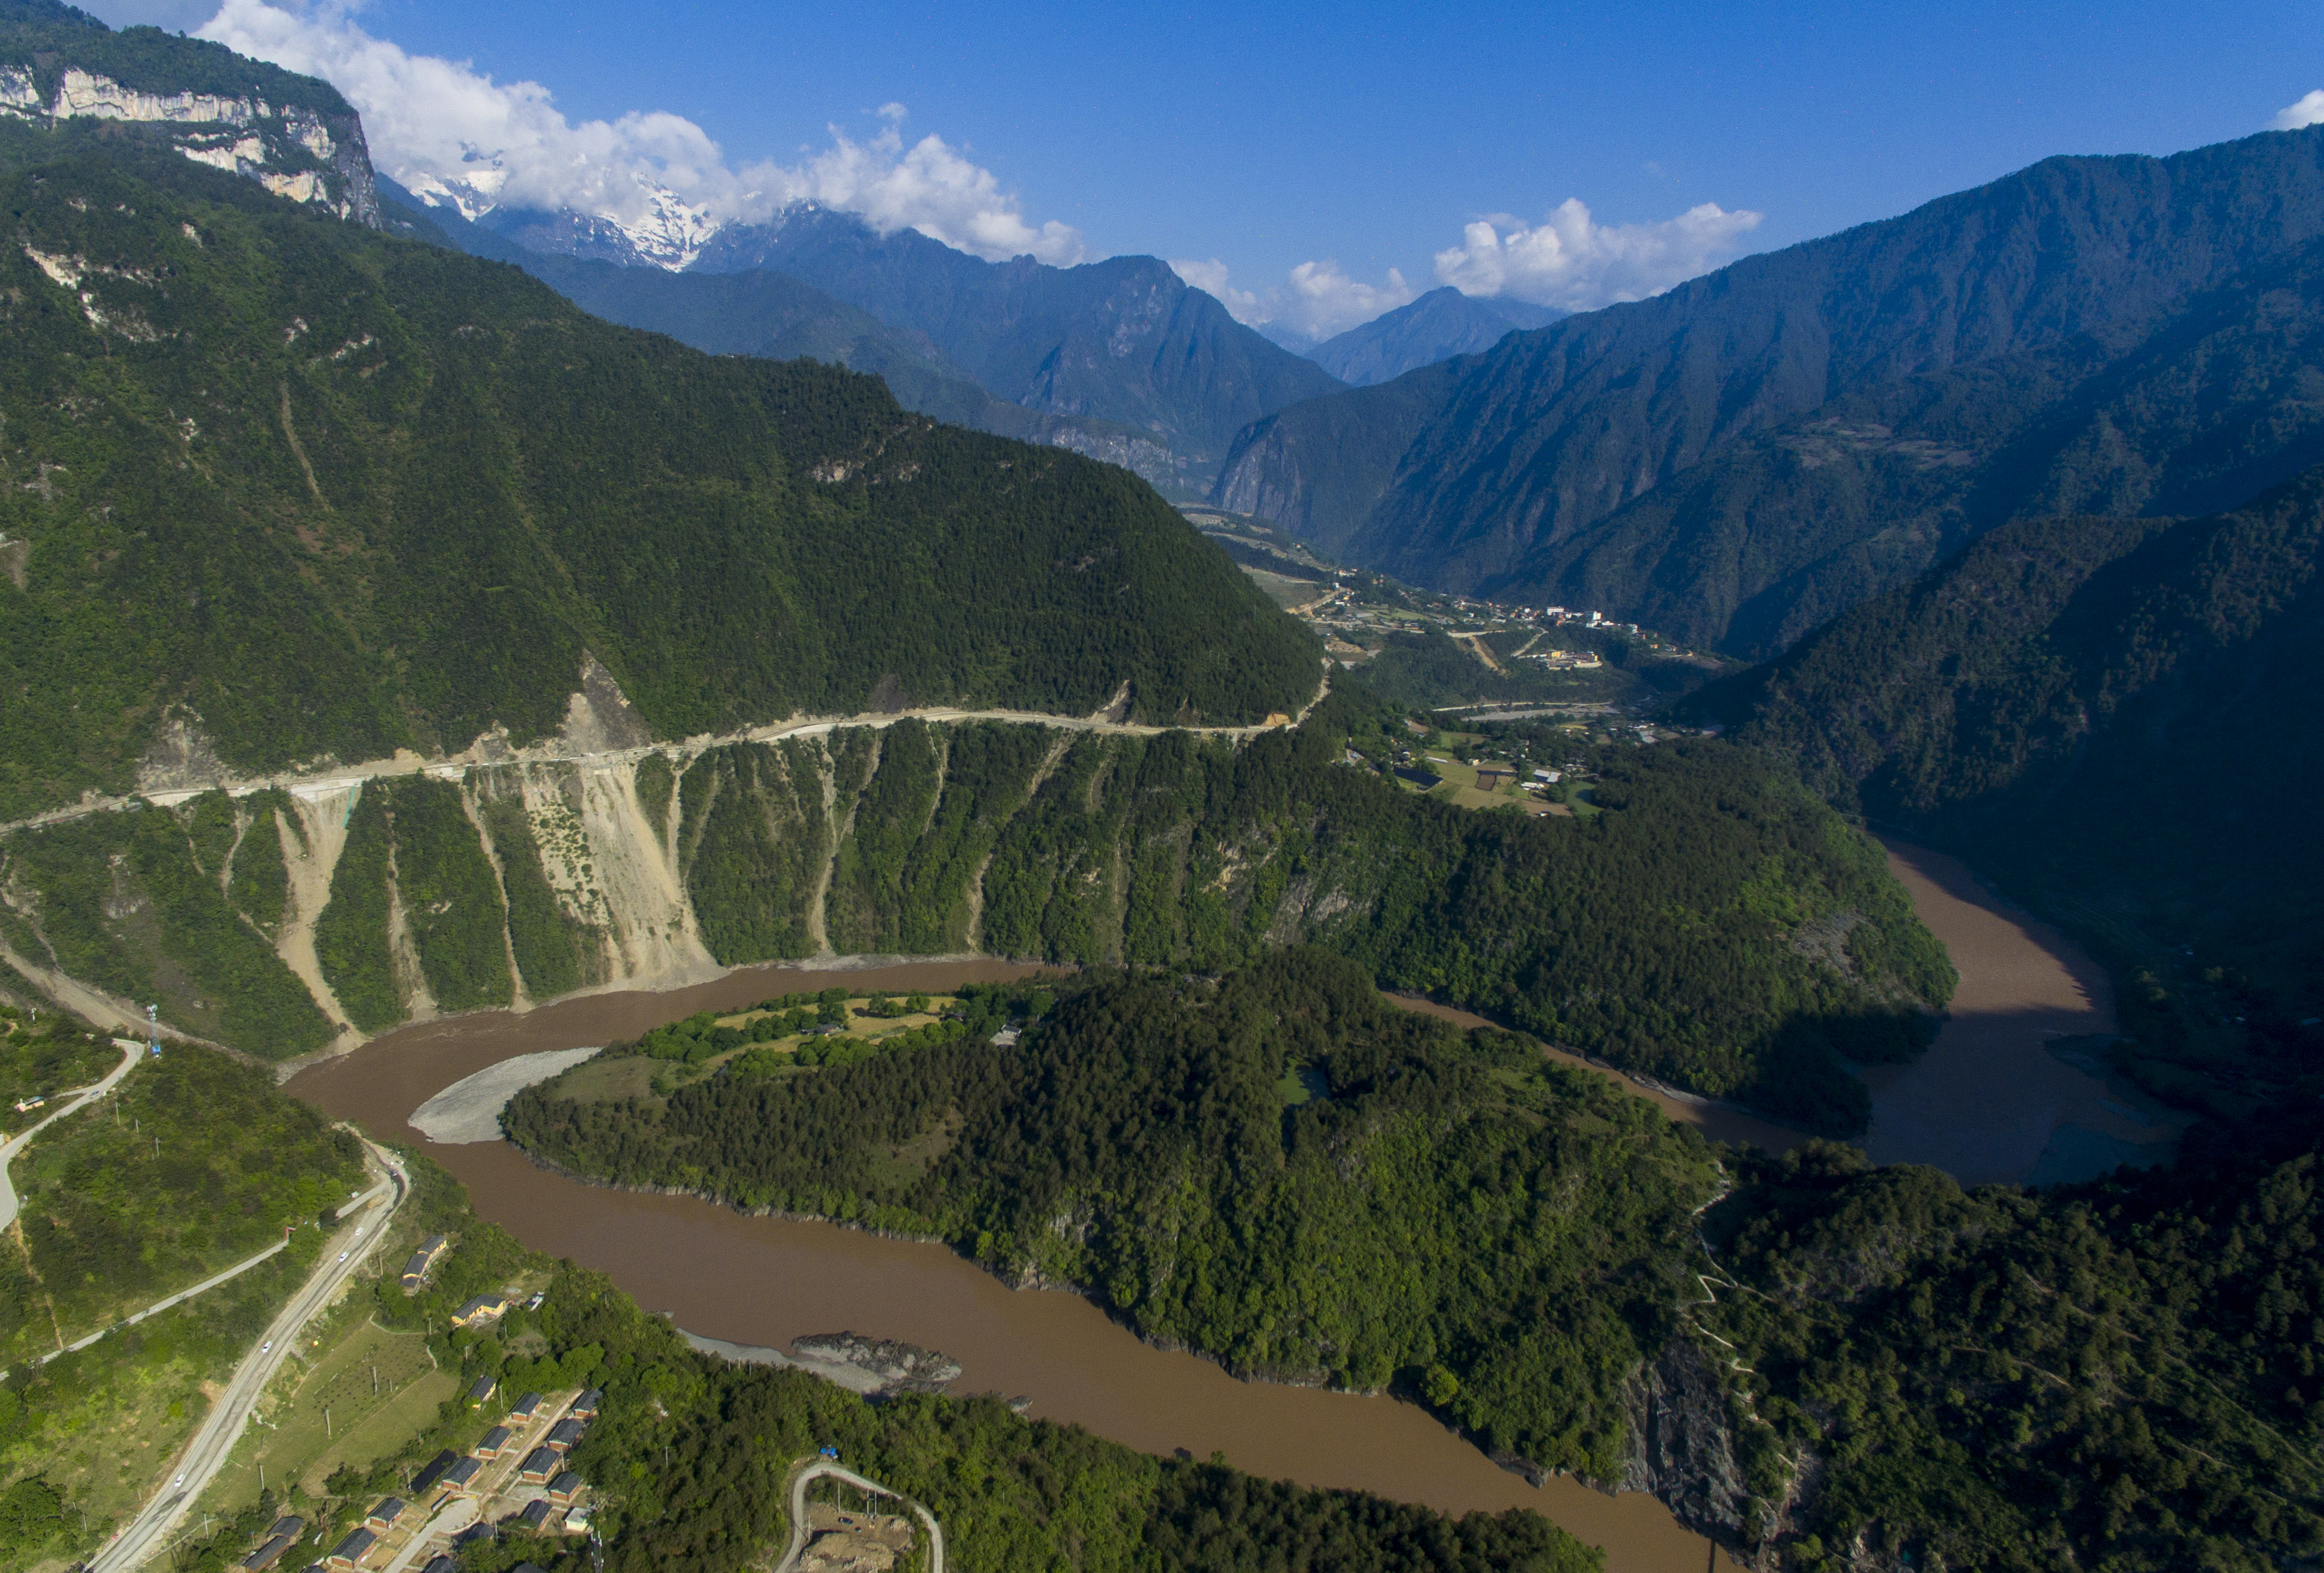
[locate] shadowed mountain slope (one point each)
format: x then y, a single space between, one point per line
1490 475
2118 718
1124 340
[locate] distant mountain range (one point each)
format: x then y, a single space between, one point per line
1440 325
1119 360
1750 454
775 316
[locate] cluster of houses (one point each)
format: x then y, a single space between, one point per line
543 1466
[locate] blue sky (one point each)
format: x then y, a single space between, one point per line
1369 135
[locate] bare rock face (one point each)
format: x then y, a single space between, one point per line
180 757
600 718
894 1367
1682 1443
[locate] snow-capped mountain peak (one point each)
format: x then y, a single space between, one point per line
660 229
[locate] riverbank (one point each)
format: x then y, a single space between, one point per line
763 1282
766 1281
1993 1099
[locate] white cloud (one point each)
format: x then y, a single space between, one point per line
1211 278
425 115
1571 261
2309 111
1316 300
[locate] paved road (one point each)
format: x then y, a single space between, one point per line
207 1454
457 1514
821 1468
86 1096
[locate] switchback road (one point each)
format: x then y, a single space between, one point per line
822 1468
82 1099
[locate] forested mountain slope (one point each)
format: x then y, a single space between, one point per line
2191 411
315 492
2118 718
1151 1114
1715 926
1487 476
1440 325
1124 340
145 90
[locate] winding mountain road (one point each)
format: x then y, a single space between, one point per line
213 1443
823 1468
347 776
82 1099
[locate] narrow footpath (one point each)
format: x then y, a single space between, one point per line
158 1306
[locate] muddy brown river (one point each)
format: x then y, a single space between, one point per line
767 1281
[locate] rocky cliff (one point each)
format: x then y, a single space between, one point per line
292 134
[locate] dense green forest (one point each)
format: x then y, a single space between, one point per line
2121 1376
2067 688
194 1163
405 521
1280 1168
1679 934
40 1059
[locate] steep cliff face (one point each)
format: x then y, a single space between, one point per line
1679 1439
292 134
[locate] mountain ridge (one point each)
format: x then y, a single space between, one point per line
1438 325
378 522
774 316
1464 481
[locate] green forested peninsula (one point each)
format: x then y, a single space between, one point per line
1718 927
1833 1363
315 491
1280 1168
